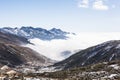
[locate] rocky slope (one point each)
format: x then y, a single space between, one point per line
13 54
100 71
104 52
12 39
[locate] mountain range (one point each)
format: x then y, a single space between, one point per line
13 54
30 33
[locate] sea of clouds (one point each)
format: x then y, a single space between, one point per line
52 49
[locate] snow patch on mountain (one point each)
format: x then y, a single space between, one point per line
92 55
115 66
111 57
108 47
118 46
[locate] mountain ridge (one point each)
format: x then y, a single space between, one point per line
31 32
104 52
13 53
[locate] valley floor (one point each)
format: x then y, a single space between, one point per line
100 71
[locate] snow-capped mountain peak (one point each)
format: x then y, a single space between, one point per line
31 32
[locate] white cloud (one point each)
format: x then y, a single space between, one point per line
53 49
99 5
94 4
83 3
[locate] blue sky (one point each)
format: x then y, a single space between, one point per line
70 15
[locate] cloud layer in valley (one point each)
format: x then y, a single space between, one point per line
53 49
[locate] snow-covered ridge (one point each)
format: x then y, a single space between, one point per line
30 33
